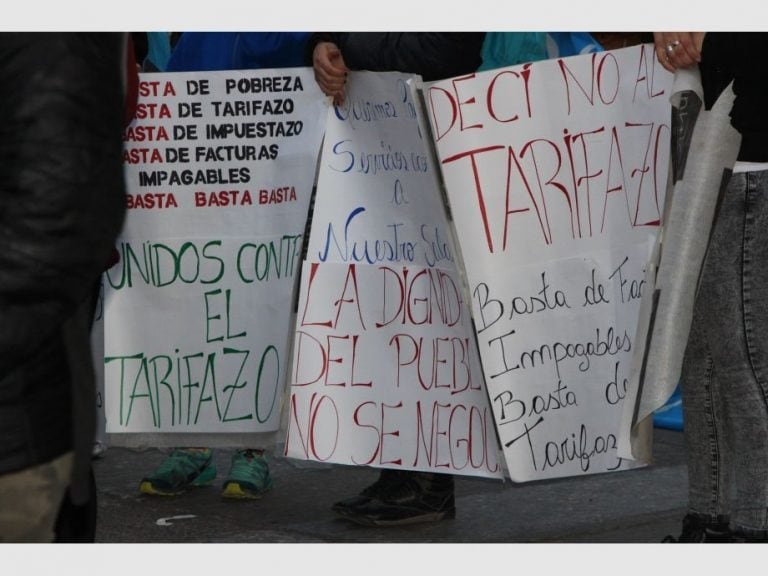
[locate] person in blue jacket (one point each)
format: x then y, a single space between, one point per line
249 475
204 51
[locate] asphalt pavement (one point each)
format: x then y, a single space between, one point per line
635 506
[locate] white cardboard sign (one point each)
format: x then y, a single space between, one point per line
220 168
556 173
385 369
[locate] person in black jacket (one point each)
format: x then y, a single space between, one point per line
432 55
397 497
62 203
724 379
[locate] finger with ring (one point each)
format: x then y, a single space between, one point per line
672 45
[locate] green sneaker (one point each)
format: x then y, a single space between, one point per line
248 477
185 467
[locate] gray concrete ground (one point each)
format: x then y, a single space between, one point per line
635 506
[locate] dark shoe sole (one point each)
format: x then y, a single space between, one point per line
147 488
348 509
420 519
235 491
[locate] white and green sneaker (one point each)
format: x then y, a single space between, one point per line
248 477
185 467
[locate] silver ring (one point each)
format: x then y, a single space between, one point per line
672 45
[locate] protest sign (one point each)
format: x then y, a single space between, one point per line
556 174
219 170
385 368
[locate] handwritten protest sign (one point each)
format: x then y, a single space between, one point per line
220 168
385 368
556 173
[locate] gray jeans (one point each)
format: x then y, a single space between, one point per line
725 372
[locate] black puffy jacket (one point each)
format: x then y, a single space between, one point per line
62 202
432 55
730 56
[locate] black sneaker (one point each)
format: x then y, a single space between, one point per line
386 479
698 528
749 536
412 498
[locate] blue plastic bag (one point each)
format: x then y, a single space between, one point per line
563 44
671 414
